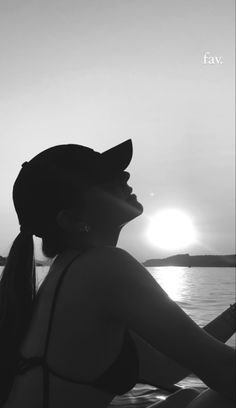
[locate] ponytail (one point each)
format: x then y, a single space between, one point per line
17 295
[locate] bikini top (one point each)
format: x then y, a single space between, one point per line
118 379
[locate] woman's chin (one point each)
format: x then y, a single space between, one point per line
134 205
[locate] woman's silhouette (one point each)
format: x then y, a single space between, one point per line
99 322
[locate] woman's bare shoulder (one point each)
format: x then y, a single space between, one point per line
116 265
121 266
99 262
109 268
110 255
106 258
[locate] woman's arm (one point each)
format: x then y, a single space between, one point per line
136 300
155 368
158 370
223 326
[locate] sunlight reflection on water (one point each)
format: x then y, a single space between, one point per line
202 293
172 280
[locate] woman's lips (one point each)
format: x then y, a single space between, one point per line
128 193
132 197
128 190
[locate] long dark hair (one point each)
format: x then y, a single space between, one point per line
17 295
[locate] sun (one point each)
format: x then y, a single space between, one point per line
171 229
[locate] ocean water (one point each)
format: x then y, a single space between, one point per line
202 293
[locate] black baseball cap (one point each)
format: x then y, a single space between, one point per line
51 180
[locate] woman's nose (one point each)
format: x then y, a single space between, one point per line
125 176
122 177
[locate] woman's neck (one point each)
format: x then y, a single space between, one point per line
95 239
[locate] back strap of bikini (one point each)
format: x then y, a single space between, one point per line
43 360
60 280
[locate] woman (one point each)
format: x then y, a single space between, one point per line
75 343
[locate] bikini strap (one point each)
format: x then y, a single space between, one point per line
60 280
43 359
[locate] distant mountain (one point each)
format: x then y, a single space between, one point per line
220 261
198 260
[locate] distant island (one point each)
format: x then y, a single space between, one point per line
220 261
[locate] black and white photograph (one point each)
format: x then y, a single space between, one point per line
117 210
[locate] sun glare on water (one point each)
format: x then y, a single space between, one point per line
171 229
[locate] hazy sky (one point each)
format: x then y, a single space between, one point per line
97 72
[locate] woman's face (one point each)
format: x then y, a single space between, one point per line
111 204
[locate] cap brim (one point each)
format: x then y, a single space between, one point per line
118 157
